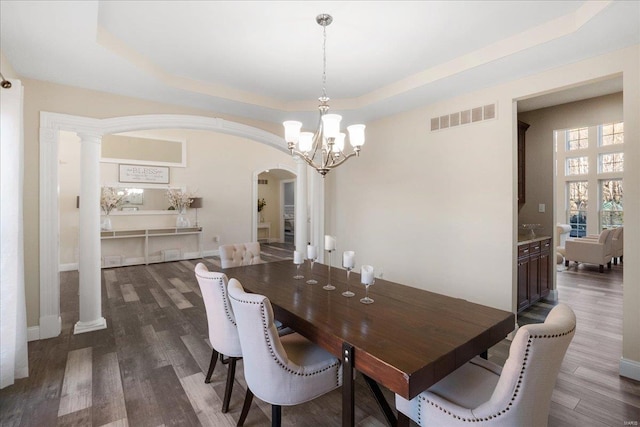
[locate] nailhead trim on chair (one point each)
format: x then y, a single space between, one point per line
515 392
273 354
227 308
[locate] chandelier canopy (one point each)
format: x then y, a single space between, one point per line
324 149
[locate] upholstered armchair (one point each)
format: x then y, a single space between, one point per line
617 243
562 232
591 251
282 371
482 393
240 254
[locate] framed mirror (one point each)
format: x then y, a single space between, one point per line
141 199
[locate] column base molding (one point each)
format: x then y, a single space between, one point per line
94 325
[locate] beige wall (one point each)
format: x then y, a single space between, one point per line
43 96
540 163
218 170
437 210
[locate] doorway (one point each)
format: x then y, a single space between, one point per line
276 206
288 209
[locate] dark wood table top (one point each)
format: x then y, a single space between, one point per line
407 340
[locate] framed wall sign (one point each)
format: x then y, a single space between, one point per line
144 174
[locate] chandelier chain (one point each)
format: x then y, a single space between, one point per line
324 61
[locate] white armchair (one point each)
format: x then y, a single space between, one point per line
240 254
591 251
482 393
617 243
562 232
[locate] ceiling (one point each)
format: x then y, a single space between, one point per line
263 59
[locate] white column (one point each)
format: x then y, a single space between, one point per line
50 321
301 206
89 262
316 202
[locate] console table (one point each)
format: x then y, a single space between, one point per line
264 226
146 234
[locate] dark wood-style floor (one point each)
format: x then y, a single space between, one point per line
147 368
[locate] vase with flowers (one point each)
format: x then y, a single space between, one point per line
180 200
110 199
261 204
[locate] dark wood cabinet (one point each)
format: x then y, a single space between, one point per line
534 279
523 278
544 275
522 129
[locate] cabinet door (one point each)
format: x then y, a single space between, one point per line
545 268
543 274
534 279
523 283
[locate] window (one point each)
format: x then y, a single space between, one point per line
611 162
612 133
578 192
577 139
578 166
611 203
590 157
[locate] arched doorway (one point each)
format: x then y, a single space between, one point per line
90 131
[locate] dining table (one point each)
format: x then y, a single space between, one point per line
406 340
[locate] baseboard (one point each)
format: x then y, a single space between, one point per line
50 326
33 333
69 267
630 369
215 252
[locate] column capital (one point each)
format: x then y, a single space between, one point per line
90 136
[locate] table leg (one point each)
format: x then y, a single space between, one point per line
348 386
382 402
485 355
403 420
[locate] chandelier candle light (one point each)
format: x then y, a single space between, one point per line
324 149
329 246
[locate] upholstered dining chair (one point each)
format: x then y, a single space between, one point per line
223 332
238 254
480 393
282 371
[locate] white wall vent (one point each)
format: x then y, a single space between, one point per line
465 117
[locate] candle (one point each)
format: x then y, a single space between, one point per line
329 243
348 260
298 257
311 252
366 274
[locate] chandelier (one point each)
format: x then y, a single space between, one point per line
324 149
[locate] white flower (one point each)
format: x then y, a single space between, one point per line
178 199
110 198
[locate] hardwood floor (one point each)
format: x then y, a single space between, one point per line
147 368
